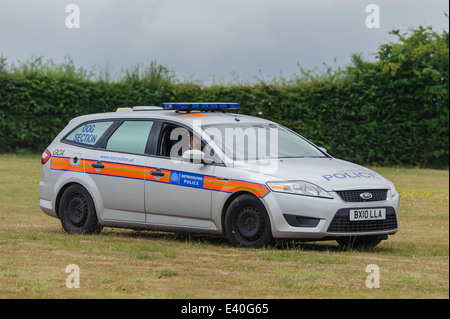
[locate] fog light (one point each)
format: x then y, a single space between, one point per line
301 221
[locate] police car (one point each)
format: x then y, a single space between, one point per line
196 167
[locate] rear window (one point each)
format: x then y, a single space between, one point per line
89 133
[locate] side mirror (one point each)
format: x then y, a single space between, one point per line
193 156
323 149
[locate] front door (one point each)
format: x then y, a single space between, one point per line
177 193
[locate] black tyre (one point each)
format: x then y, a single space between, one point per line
359 241
247 223
77 211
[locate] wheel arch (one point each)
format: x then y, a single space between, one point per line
61 192
228 202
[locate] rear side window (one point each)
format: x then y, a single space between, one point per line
130 137
89 133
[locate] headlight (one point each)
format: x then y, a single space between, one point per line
393 191
299 187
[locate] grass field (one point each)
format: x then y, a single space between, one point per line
118 263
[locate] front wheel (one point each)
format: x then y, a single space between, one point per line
247 223
77 211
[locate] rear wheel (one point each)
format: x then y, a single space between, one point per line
77 211
247 223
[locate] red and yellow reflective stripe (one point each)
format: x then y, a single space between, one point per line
232 186
116 169
141 172
63 163
207 182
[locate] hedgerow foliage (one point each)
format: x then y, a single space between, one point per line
390 111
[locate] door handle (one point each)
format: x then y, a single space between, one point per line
157 172
98 165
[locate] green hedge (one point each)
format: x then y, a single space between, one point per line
391 111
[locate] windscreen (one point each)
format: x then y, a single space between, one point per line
242 142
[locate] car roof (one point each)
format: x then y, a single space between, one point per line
188 118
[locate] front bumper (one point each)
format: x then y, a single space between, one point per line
304 217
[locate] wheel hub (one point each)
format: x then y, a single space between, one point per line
249 223
77 210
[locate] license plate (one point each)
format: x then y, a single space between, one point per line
367 214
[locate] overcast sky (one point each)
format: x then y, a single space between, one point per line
201 38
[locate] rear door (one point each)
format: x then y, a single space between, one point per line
117 171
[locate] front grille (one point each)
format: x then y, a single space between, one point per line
354 196
341 223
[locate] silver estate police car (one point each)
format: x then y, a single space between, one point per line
195 167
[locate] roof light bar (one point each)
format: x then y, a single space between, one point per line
199 106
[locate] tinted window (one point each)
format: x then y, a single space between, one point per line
89 133
174 140
130 137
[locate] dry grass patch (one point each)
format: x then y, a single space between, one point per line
118 263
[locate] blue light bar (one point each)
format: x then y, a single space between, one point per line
199 106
